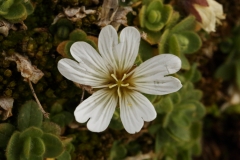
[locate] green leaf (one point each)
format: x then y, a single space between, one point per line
27 147
142 16
153 129
29 7
185 62
165 105
237 74
226 71
173 20
163 140
196 130
6 130
5 5
50 127
16 13
179 132
77 35
29 115
53 145
185 25
193 74
200 110
31 132
189 41
64 156
174 46
175 97
162 45
118 151
14 147
63 118
145 50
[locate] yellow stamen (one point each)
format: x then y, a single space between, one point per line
112 86
125 85
119 92
114 77
124 76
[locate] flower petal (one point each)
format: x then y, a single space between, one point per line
161 65
157 85
149 76
99 107
128 47
134 110
75 72
107 39
85 53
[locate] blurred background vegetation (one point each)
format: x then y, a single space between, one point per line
199 122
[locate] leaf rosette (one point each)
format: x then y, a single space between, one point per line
155 15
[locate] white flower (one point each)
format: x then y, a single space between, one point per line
210 15
117 83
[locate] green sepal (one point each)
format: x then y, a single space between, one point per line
53 145
6 130
16 13
29 115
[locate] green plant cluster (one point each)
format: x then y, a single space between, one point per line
154 15
180 39
33 139
15 10
230 69
76 35
59 115
177 130
178 126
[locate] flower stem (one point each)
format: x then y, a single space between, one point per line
38 102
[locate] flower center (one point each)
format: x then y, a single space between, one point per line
119 83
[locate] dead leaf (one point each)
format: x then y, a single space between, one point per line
6 103
113 14
28 71
5 27
74 14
